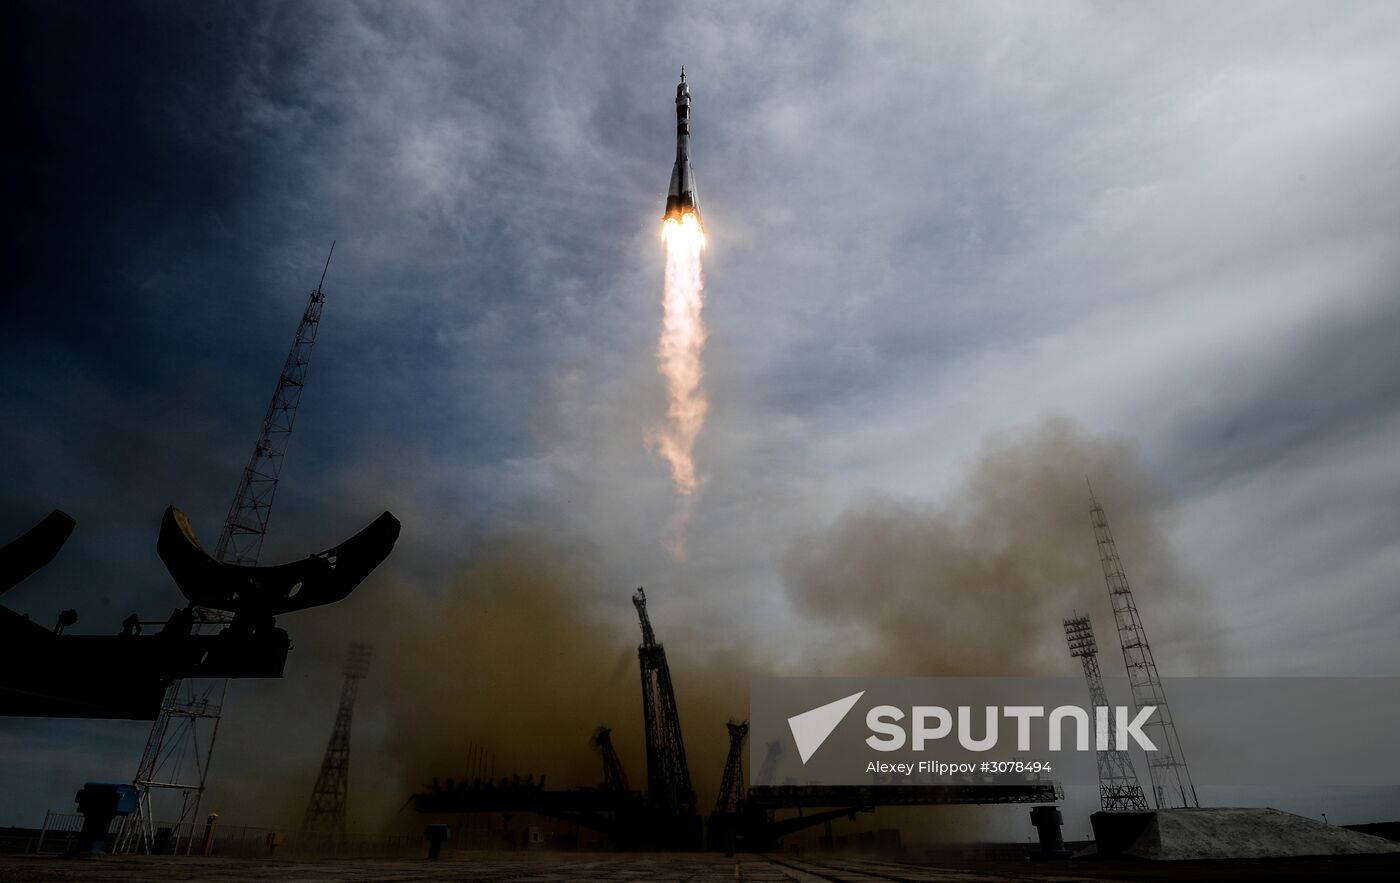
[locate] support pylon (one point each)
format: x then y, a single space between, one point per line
670 795
731 784
614 776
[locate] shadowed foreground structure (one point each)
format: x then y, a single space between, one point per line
125 675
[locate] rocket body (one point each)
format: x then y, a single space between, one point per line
680 199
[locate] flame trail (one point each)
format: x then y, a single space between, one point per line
678 357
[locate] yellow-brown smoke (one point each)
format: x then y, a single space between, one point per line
525 643
679 359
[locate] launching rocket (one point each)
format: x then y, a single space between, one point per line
679 353
680 199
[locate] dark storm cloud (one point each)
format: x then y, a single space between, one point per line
122 162
1337 383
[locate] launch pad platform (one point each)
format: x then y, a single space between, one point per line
696 867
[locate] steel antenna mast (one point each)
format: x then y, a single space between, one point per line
241 540
180 747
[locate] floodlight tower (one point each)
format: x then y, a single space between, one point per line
180 747
1119 788
325 814
1166 767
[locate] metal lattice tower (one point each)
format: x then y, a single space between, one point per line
176 758
325 814
614 776
1119 788
731 784
180 747
768 772
242 537
668 775
1166 767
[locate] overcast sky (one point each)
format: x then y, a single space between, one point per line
929 225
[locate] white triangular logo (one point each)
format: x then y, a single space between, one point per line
810 728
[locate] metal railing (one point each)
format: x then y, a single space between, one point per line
60 830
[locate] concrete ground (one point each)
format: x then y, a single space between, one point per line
697 868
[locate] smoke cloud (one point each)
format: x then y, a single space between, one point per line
530 643
525 649
979 584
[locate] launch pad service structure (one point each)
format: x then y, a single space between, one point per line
175 672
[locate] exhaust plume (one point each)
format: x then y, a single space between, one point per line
679 360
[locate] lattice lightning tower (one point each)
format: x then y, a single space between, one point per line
180 747
1119 788
241 540
1166 767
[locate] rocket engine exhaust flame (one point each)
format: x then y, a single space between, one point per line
679 360
682 331
680 349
